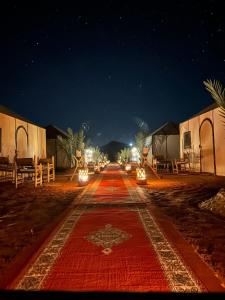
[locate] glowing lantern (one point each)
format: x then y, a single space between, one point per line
83 176
88 155
97 169
128 168
141 176
135 156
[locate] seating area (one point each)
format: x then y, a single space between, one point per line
27 169
48 168
6 169
160 164
180 165
174 166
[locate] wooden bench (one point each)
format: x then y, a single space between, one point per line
6 169
27 168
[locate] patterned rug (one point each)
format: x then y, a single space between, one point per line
109 242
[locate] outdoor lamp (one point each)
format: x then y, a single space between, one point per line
83 176
88 154
97 169
141 176
128 168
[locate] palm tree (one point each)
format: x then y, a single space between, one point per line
140 139
97 155
217 92
124 155
73 141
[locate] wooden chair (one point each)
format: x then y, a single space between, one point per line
48 168
6 169
27 168
179 165
160 164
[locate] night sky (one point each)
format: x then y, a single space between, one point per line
104 67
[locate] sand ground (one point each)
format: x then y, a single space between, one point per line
178 197
27 212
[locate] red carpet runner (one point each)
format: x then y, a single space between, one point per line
109 242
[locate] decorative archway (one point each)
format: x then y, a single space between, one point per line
21 141
207 147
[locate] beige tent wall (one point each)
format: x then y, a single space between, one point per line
33 140
219 137
22 138
36 138
42 142
193 125
194 152
7 124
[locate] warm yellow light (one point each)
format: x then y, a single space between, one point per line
141 176
88 155
83 176
128 167
135 156
97 169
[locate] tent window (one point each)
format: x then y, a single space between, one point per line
187 139
0 140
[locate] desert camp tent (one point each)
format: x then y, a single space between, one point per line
53 148
164 142
21 135
202 138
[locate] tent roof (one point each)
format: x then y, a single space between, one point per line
5 110
53 131
169 128
206 109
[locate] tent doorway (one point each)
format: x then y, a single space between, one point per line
207 151
21 142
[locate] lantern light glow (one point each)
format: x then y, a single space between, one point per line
128 167
141 176
88 155
135 156
83 176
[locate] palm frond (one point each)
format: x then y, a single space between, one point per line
216 90
141 124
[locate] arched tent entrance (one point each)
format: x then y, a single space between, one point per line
21 139
207 150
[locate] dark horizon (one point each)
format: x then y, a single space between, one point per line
66 68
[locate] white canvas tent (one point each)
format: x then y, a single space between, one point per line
202 137
165 142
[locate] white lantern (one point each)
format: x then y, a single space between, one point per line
128 168
88 155
83 176
141 176
97 169
135 156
